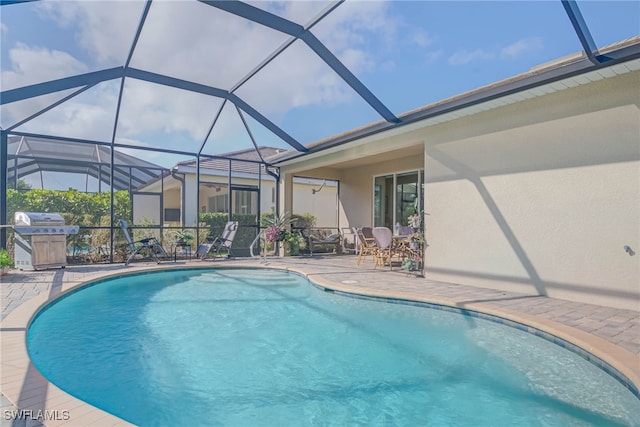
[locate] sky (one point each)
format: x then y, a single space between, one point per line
408 53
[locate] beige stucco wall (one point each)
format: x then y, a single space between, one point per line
172 199
543 198
323 204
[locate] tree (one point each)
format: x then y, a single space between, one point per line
23 186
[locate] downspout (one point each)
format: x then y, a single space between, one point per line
275 175
182 195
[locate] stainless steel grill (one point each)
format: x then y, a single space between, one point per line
41 240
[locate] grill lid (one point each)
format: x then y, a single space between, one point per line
37 218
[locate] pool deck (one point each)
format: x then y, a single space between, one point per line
612 335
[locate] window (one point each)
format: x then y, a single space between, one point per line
245 201
171 215
219 203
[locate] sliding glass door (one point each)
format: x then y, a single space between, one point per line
396 197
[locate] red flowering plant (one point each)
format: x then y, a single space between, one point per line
273 233
276 226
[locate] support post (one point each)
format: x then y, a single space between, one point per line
4 166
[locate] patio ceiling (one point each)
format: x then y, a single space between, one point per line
208 77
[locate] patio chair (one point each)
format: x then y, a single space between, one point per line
405 230
367 245
220 243
386 250
150 245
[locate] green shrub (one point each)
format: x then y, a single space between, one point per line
77 208
5 259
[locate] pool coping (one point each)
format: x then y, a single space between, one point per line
24 386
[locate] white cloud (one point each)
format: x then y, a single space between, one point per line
521 47
89 115
299 78
434 55
510 51
353 25
31 65
193 41
148 108
104 29
4 30
421 38
387 66
464 56
300 12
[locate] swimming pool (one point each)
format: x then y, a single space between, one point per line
262 347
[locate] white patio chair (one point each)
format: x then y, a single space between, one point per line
386 250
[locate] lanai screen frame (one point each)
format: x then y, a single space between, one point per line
49 159
262 167
296 32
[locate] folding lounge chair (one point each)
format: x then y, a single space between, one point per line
218 244
149 245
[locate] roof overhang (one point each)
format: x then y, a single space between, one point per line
576 70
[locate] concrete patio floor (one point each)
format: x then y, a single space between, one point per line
611 334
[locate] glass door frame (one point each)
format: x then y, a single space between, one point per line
394 175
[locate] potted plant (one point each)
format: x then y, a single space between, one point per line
411 264
5 262
184 237
277 226
416 240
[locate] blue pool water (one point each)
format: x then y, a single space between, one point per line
243 347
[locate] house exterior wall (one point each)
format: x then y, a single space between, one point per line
172 199
323 204
190 208
538 197
146 209
541 197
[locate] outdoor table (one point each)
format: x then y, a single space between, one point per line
185 250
